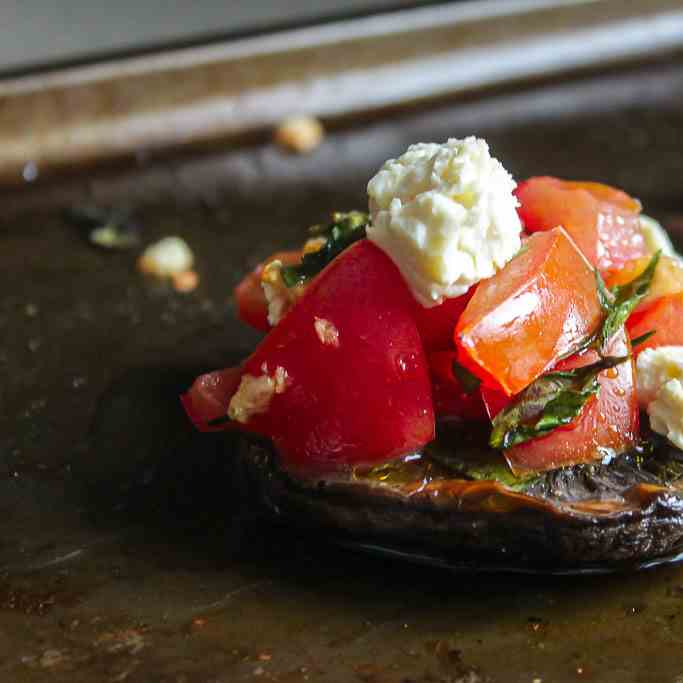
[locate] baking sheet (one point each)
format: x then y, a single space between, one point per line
126 552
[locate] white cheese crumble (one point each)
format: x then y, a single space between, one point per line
660 392
656 237
167 257
446 216
279 296
326 331
254 394
276 292
666 412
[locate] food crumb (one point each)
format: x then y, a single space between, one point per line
259 671
167 257
51 658
299 134
327 333
185 282
265 657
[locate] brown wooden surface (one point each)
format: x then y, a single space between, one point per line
124 551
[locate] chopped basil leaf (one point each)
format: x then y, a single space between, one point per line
642 339
217 421
481 466
605 297
618 304
626 298
345 229
470 383
554 399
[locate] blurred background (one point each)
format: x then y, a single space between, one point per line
51 34
85 83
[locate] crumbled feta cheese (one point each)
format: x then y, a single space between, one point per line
167 257
660 392
654 368
326 331
446 215
275 291
280 298
254 394
656 237
666 412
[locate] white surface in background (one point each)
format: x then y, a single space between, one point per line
42 31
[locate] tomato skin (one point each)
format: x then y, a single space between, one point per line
252 307
603 221
208 397
449 396
665 316
610 422
437 324
523 319
364 398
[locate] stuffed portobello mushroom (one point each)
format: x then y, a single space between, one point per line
475 370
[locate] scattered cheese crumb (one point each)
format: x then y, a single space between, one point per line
185 282
666 412
280 298
446 215
300 134
326 331
254 394
167 257
660 390
654 368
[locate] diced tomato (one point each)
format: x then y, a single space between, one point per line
665 316
436 325
603 221
606 425
449 396
668 277
354 380
533 311
252 307
208 397
494 401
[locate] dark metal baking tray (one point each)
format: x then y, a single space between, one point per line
126 552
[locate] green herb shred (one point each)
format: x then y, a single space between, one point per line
345 229
554 399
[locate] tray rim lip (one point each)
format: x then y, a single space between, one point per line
235 92
208 47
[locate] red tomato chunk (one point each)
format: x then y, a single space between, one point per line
437 324
665 316
603 221
449 396
523 319
354 385
607 425
252 307
209 396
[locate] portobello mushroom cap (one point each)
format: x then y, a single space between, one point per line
622 512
